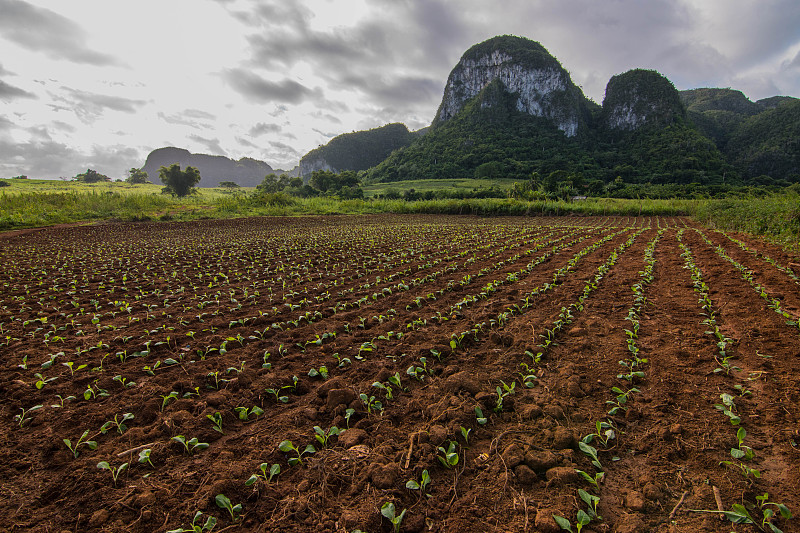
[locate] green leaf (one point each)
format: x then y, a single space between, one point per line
223 502
388 510
563 523
583 518
739 515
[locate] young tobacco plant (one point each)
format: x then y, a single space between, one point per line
274 470
190 446
422 484
114 470
389 511
448 456
244 413
286 446
216 422
23 418
323 436
82 441
198 527
223 502
117 423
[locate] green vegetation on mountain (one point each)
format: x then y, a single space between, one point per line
769 143
359 150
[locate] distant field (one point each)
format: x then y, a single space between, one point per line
435 185
37 203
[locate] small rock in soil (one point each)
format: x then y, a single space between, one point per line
462 381
574 389
635 501
544 521
437 434
652 492
563 438
630 523
334 383
385 477
531 412
676 429
513 455
337 397
525 475
561 475
352 437
541 461
99 518
554 411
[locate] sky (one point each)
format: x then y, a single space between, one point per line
100 84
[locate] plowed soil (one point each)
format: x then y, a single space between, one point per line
401 331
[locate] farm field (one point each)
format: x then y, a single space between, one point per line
477 374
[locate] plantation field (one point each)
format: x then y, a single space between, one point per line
332 373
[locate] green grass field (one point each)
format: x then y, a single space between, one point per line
36 203
466 184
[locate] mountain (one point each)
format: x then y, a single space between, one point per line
509 109
524 68
356 151
214 169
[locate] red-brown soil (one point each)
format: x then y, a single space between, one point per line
192 308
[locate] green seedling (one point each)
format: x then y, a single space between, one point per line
581 520
728 408
265 361
347 414
527 376
274 470
117 423
93 392
342 361
322 372
287 447
216 422
61 401
370 403
620 400
386 388
166 398
465 434
768 512
223 502
743 452
479 415
124 382
422 484
114 470
389 511
41 381
82 441
190 446
448 456
277 394
739 514
742 390
591 501
144 457
196 527
73 368
591 453
745 470
604 433
593 480
502 393
244 413
23 418
323 436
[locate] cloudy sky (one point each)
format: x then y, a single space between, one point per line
99 84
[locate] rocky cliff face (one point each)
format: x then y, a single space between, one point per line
542 87
213 168
640 97
312 164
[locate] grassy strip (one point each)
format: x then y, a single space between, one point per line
777 217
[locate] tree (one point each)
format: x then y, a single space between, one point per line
229 185
137 175
91 176
179 182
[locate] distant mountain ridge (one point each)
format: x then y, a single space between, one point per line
510 104
214 169
358 150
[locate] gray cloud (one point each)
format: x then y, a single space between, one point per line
89 106
199 114
261 128
212 145
256 88
42 30
284 149
179 119
9 92
45 158
245 142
